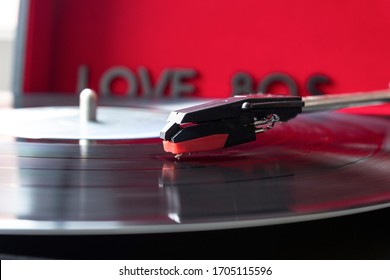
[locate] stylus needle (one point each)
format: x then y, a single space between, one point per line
237 120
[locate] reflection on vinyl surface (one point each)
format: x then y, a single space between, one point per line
314 166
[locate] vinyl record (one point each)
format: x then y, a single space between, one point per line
315 166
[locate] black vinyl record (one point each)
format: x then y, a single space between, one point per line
315 166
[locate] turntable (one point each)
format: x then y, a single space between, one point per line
290 193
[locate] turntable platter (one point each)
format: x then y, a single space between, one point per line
315 166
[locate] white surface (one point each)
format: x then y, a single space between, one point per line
64 123
8 22
6 54
8 18
202 269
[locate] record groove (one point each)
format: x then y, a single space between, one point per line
315 166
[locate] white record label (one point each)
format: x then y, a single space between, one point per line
64 123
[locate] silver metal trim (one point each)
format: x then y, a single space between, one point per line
344 100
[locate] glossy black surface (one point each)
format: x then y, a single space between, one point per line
313 167
360 236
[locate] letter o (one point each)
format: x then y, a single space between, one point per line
116 72
278 78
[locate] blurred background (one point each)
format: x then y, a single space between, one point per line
8 22
203 48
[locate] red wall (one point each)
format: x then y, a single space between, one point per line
348 41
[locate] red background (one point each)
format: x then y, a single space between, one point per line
349 41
